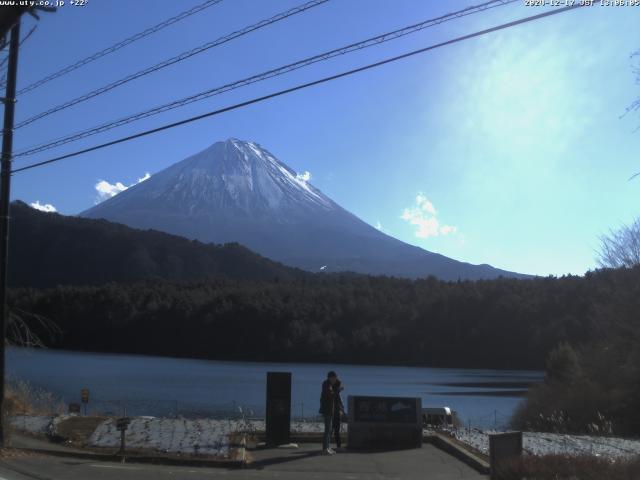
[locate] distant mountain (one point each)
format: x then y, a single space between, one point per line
236 191
48 249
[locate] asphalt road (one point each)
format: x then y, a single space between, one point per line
304 463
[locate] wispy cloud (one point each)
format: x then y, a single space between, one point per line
424 216
379 226
108 190
43 207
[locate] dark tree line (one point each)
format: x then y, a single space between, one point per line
502 323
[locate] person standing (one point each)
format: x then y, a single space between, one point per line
327 400
338 411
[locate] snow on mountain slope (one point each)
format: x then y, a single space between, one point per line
237 191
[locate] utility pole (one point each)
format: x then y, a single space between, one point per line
9 101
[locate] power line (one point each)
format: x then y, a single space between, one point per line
178 58
303 86
4 60
264 76
119 45
26 37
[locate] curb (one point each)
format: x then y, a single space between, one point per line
461 453
300 437
239 461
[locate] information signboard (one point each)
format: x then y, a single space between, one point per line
122 423
384 422
503 448
385 409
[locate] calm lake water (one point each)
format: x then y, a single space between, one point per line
161 386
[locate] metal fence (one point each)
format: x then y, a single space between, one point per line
175 408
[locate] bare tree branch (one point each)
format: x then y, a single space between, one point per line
635 105
21 333
620 248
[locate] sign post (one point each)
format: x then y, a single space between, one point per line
84 396
278 421
122 424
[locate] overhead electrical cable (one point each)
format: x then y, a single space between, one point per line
395 34
119 45
178 58
5 59
302 86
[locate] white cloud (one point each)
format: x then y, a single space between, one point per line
43 207
424 216
446 229
424 204
380 227
107 190
304 176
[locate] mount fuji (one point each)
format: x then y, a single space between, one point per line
237 191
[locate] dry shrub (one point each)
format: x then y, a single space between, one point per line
22 398
569 467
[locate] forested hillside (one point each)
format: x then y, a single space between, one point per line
47 249
504 323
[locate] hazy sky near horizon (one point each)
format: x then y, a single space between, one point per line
509 149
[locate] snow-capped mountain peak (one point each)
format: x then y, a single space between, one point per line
230 178
237 191
285 178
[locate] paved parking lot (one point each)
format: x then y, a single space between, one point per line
427 462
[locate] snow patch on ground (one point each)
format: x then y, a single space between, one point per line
167 435
37 425
296 426
211 437
537 443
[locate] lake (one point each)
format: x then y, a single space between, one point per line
162 386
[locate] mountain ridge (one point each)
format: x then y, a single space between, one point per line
49 249
237 191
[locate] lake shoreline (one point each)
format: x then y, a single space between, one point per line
194 388
283 361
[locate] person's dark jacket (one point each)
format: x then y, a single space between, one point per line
327 397
338 406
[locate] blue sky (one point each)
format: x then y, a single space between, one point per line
508 149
